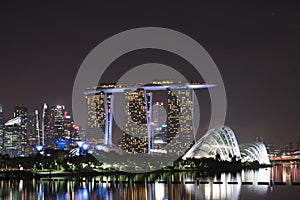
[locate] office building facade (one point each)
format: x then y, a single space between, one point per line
53 124
99 110
33 131
141 132
21 111
135 133
13 138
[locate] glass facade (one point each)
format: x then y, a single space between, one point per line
33 131
141 133
180 124
255 151
135 134
54 124
12 137
220 140
96 114
21 111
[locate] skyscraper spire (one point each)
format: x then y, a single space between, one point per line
36 112
43 123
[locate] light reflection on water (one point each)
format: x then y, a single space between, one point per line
180 185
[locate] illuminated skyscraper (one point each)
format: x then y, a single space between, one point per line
57 126
159 127
48 126
142 132
135 134
59 112
21 111
13 137
67 126
71 131
33 131
144 120
180 120
45 107
53 122
96 118
98 106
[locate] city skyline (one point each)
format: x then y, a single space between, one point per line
98 138
254 46
27 131
22 135
149 100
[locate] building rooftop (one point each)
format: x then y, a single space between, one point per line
153 86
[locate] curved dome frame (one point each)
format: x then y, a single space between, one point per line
220 140
255 151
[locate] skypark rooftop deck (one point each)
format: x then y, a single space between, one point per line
154 86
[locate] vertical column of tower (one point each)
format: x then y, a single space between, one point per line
36 112
149 124
148 104
111 119
106 119
193 108
43 124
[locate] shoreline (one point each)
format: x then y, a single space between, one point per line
25 174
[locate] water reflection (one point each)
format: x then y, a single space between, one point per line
287 173
183 185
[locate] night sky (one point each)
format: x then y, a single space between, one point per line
255 46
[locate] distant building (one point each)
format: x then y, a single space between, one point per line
259 139
13 137
67 126
298 146
159 139
21 111
159 127
59 116
33 131
271 149
71 131
53 121
57 125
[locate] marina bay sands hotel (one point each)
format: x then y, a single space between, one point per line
144 130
